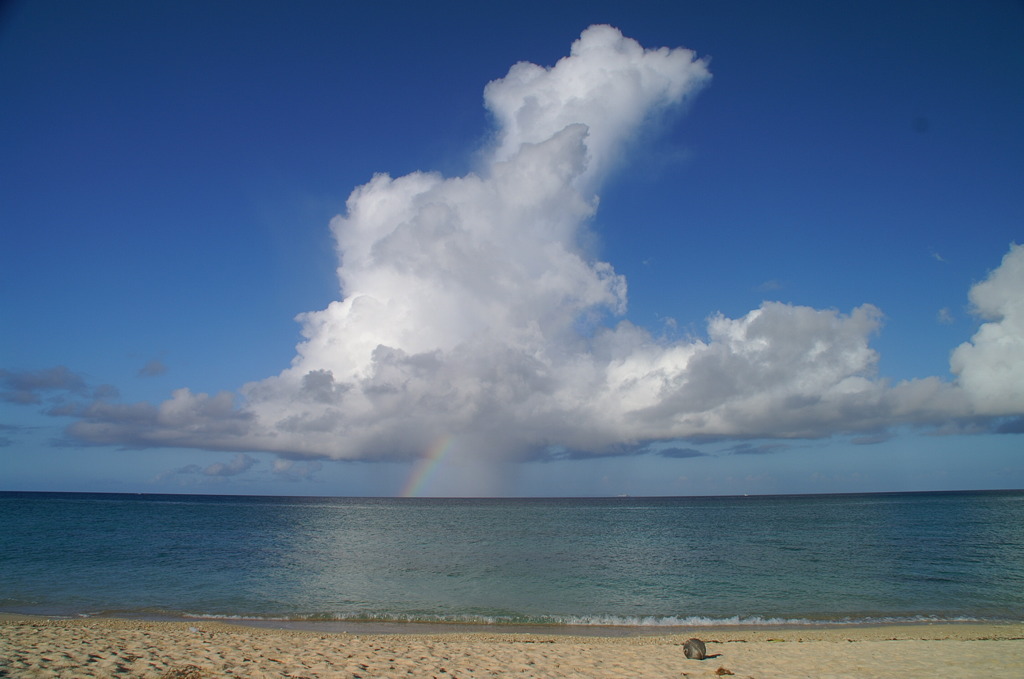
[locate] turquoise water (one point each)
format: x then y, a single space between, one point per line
625 561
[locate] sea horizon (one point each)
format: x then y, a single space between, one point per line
510 497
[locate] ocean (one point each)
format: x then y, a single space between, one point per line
638 562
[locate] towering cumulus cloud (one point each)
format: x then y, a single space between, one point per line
469 311
991 366
463 297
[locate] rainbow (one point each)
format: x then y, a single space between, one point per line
424 468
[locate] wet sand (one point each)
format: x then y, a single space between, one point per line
33 646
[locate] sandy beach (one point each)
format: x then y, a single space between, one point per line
102 647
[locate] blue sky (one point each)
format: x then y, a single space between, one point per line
169 173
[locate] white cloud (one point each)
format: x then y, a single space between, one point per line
990 368
470 311
239 464
153 368
296 471
28 386
609 83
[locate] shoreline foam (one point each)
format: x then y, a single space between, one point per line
584 628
